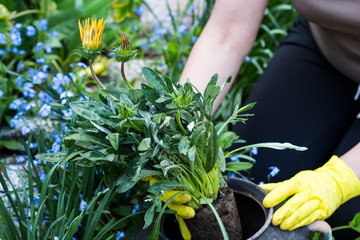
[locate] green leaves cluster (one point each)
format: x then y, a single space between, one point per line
162 130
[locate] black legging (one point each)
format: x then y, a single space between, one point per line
303 100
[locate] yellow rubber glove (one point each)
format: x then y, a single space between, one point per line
314 194
178 205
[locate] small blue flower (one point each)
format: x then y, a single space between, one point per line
30 31
1 94
64 127
191 6
22 52
39 77
120 235
82 205
254 150
44 111
55 147
42 176
28 90
43 24
56 238
2 38
17 104
45 98
15 50
234 159
31 72
54 33
136 208
15 121
247 59
138 10
261 183
230 174
48 49
133 27
29 106
36 199
40 60
33 146
274 171
144 46
17 25
67 112
59 79
182 29
39 46
151 40
81 65
2 52
15 37
44 68
25 130
194 39
21 159
159 31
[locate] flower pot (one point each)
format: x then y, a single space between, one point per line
255 218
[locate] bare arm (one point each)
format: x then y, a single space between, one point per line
352 159
224 43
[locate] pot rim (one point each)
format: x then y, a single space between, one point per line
248 185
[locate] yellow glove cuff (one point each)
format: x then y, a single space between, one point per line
345 178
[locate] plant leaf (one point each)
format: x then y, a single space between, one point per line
164 185
114 140
238 166
355 223
145 144
52 157
154 79
212 150
184 145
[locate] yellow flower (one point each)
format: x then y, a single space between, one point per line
91 33
125 44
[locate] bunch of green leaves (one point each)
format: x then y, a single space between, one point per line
162 130
48 207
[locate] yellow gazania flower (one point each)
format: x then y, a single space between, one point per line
91 33
125 44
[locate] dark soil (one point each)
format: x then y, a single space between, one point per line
205 226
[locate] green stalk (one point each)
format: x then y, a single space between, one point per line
124 77
340 228
23 13
178 120
135 127
95 76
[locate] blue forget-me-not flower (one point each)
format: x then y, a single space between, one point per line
30 31
274 171
120 235
82 205
2 38
43 25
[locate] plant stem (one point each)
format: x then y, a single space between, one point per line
340 228
94 75
178 120
124 77
20 14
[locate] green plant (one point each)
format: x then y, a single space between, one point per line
163 130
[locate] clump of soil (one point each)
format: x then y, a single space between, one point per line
205 226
